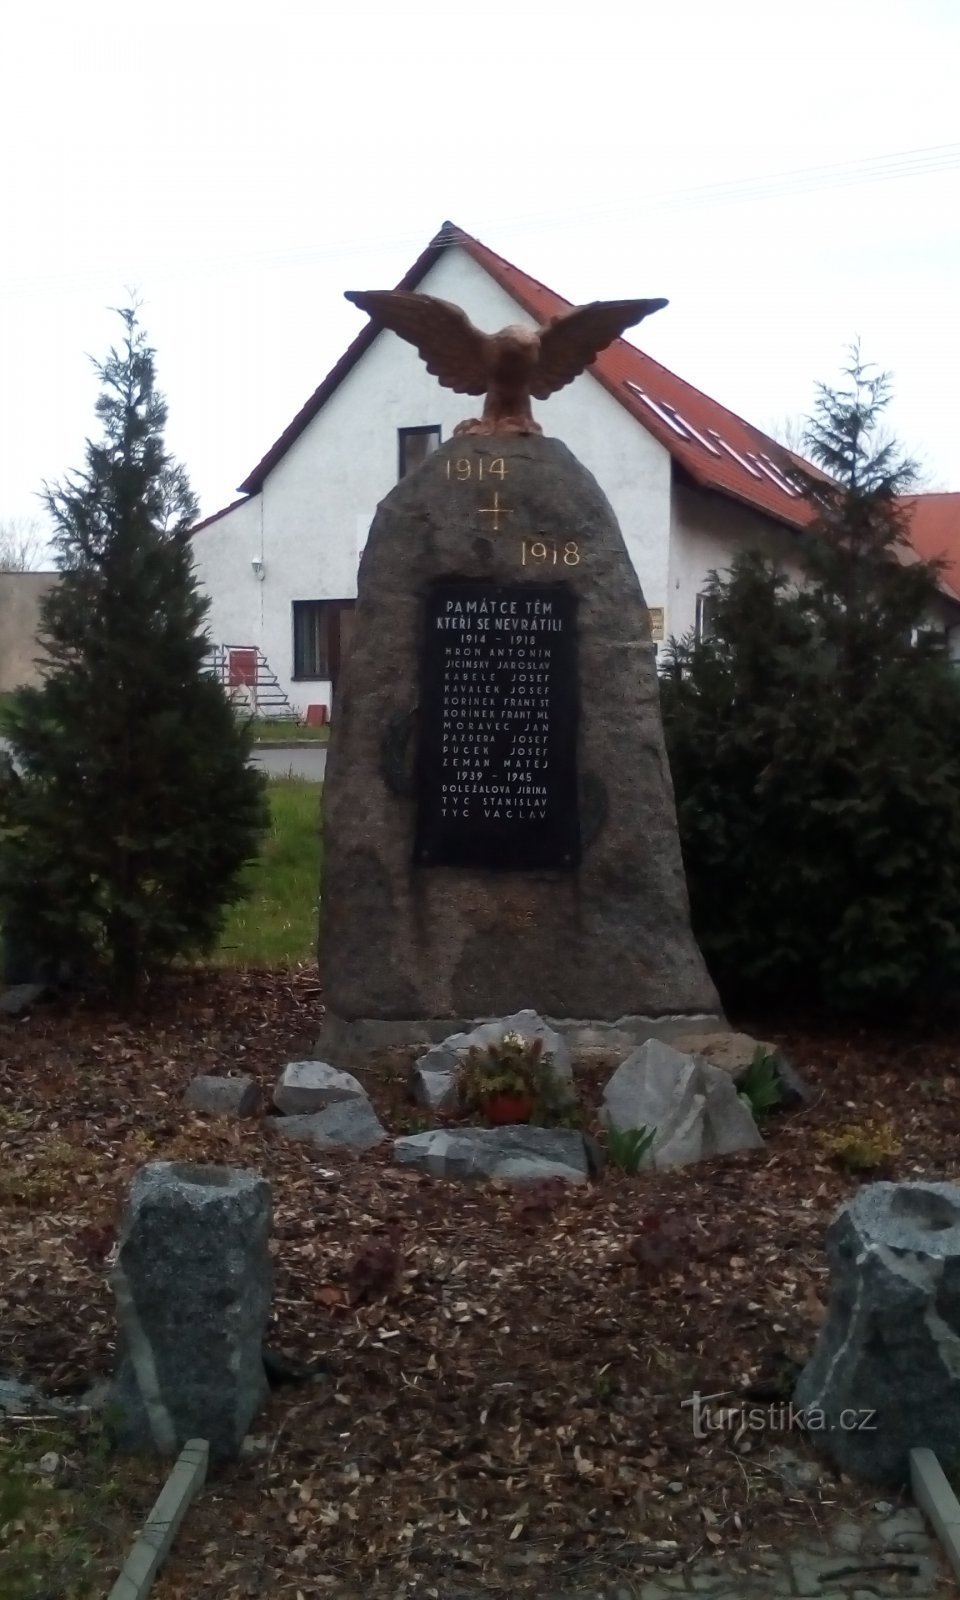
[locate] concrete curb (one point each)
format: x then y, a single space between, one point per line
160 1529
938 1502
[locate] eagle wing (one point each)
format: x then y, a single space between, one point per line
453 349
570 341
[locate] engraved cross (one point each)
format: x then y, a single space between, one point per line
496 511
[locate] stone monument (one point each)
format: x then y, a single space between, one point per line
499 820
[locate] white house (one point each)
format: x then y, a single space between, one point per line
690 481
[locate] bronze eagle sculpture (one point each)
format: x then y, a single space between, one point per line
510 366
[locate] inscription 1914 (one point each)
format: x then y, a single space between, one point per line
497 773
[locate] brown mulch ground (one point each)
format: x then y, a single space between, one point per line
505 1371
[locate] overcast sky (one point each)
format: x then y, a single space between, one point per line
788 176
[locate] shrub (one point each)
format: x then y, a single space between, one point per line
760 1086
130 808
512 1065
862 1147
814 740
627 1147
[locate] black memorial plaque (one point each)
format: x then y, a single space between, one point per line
497 762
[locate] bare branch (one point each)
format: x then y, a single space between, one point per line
22 544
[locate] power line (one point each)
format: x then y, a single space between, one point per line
891 167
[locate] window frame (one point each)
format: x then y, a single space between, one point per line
703 623
403 434
334 608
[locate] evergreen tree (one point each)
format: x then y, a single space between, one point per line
130 808
814 740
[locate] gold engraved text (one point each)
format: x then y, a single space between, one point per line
496 511
464 468
537 551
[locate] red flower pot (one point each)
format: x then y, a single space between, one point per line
502 1109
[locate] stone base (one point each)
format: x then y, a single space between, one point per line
351 1043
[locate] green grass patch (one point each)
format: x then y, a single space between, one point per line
65 1518
287 732
276 926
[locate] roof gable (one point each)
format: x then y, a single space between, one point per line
254 482
714 447
717 448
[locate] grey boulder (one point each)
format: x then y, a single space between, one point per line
18 1397
20 998
694 1106
735 1052
518 1154
435 1074
347 1124
306 1086
192 1284
884 1376
435 1091
222 1097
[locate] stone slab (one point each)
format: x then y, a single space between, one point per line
354 1042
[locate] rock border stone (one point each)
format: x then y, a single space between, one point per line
518 1153
307 1086
192 1283
345 1125
215 1095
889 1344
20 998
153 1543
937 1501
692 1108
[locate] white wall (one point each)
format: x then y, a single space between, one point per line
222 556
708 531
310 521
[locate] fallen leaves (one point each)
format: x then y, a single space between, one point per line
499 1374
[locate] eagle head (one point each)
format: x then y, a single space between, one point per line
516 351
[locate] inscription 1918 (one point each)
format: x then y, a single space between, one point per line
497 774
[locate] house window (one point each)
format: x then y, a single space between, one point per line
414 445
320 632
703 627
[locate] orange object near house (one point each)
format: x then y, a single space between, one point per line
242 669
316 716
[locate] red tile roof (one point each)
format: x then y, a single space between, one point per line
747 464
714 447
216 515
935 531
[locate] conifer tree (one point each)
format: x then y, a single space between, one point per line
129 808
814 741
